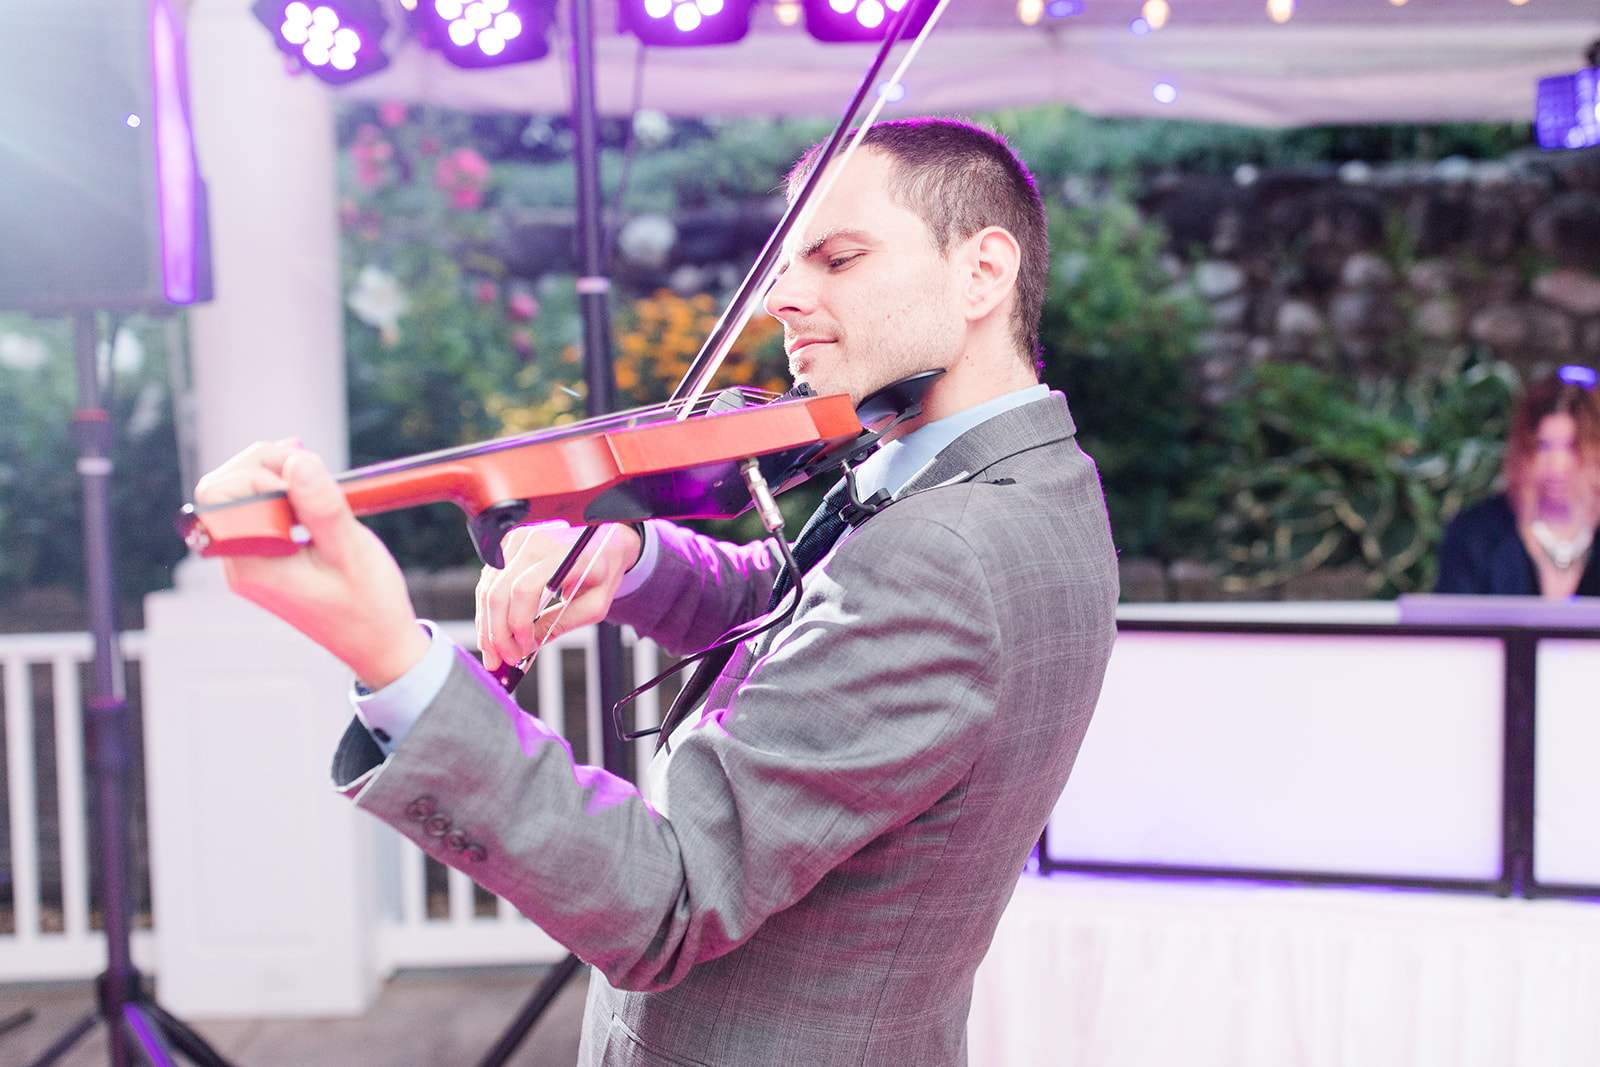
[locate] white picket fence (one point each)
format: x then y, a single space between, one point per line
432 916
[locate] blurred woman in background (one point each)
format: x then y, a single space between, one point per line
1538 536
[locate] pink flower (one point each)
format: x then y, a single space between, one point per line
522 341
392 112
523 305
372 154
488 292
462 173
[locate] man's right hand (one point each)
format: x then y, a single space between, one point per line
509 622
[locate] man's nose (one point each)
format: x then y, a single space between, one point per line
786 296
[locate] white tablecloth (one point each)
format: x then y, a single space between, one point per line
1108 972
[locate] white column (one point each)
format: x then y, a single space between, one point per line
262 876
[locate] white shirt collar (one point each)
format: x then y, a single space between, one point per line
894 464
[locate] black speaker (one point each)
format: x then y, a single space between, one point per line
101 202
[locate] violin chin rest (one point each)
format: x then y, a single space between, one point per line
883 406
490 525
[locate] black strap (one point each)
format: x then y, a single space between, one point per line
818 535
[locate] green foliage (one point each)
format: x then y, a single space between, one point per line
1058 141
1115 335
434 337
1306 470
41 495
729 163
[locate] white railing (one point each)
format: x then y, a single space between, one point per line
46 932
47 927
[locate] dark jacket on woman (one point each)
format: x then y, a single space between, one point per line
1483 553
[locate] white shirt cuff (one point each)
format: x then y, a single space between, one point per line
390 712
639 573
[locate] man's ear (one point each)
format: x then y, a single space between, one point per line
990 261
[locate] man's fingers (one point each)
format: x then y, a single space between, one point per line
318 503
254 470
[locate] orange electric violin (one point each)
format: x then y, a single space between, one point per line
680 460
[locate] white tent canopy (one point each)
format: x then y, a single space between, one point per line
1334 61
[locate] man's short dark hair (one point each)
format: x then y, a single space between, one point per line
959 178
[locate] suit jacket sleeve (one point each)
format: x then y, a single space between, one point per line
699 589
860 715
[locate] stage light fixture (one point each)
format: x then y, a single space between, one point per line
336 40
1567 106
483 33
837 21
686 23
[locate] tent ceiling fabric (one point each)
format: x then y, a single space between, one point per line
1335 61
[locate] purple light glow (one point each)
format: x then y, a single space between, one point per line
176 175
860 20
338 41
484 33
686 23
1574 374
1567 110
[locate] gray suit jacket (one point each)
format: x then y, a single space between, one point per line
848 818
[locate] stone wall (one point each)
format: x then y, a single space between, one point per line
1391 270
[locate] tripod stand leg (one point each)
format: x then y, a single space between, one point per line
17 1021
146 1034
183 1037
530 1013
79 1030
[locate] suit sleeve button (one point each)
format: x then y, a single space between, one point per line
421 808
455 840
476 853
436 825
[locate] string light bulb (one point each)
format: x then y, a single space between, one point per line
1029 12
1155 12
1280 10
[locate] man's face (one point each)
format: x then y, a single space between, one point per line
864 297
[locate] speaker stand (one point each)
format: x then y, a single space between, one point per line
131 1016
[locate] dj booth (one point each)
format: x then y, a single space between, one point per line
1319 834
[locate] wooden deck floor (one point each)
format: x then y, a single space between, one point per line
434 1018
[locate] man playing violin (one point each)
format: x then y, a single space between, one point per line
837 826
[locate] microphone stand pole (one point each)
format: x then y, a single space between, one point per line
594 288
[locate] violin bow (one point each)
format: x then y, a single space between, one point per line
719 342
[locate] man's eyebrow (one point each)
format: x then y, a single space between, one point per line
823 238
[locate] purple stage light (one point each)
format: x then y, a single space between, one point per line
184 277
1060 9
1576 374
483 33
1567 111
686 23
336 40
861 20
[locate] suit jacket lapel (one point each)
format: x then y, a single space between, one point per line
1030 426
